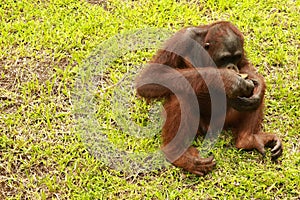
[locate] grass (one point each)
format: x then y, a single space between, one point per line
44 154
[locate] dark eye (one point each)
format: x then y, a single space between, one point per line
225 59
206 46
238 56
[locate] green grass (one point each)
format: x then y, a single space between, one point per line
44 155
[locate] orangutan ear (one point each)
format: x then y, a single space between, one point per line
197 33
196 53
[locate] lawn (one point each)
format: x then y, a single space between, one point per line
72 128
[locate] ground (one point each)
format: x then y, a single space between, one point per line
44 48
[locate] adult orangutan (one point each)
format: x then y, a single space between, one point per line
207 62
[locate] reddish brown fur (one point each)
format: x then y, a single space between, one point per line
245 123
